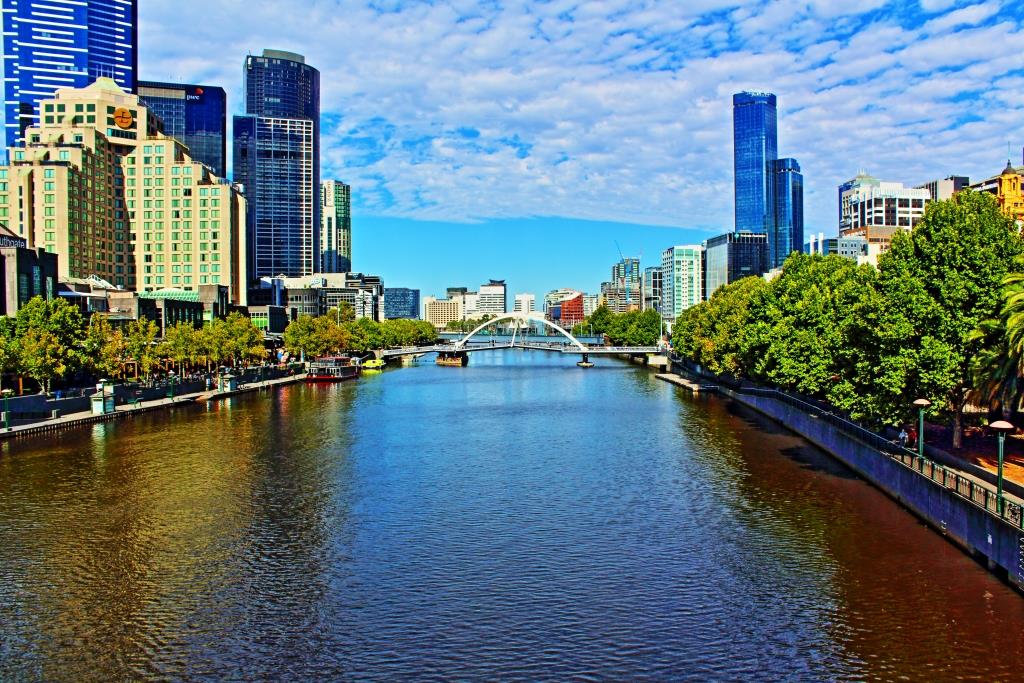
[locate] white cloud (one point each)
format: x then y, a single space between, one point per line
619 109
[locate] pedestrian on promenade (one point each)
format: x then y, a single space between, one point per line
903 437
912 437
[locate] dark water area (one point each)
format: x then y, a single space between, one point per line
517 519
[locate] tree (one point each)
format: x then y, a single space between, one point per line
181 344
245 341
44 357
140 345
62 321
103 347
711 332
940 283
10 360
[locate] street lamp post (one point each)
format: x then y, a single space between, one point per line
922 404
7 411
1002 427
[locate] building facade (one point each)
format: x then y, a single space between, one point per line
732 256
492 298
945 188
197 115
51 44
335 227
622 292
277 161
319 293
440 312
24 273
1008 187
525 303
755 147
115 198
786 232
652 289
556 296
876 210
682 279
401 302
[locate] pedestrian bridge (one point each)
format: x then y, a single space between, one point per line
570 345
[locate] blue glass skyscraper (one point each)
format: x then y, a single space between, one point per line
277 159
50 44
786 233
769 191
755 146
195 114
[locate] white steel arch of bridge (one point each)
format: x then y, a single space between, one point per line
521 317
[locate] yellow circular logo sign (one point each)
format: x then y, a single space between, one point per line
123 117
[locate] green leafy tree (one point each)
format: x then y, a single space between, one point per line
244 339
181 344
940 283
62 320
711 332
140 345
44 357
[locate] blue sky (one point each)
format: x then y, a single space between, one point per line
521 140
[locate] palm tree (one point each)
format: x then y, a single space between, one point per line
998 368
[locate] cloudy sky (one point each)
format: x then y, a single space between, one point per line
524 139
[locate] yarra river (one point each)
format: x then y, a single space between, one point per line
519 519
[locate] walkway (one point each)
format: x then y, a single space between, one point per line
129 409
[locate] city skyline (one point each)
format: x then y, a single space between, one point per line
614 114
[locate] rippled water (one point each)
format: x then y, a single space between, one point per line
519 519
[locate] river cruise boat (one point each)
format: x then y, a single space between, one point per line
455 359
333 369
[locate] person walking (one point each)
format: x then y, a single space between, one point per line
912 437
903 437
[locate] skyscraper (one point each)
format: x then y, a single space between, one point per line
732 256
769 191
786 234
197 115
755 146
50 44
277 159
336 227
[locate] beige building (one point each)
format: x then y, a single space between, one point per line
97 183
440 312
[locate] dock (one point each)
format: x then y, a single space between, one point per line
687 384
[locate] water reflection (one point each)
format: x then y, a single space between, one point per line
519 519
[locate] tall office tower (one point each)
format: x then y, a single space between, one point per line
755 146
102 188
786 232
401 302
197 115
50 44
277 160
732 256
492 298
525 303
652 288
336 227
682 279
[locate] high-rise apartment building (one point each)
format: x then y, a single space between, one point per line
197 115
556 296
768 190
99 185
755 147
51 44
622 292
336 227
491 298
876 210
652 289
277 160
401 302
732 256
525 303
682 279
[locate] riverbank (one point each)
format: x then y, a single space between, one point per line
960 505
130 409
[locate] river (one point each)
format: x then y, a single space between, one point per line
517 519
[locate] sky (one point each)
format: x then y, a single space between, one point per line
535 141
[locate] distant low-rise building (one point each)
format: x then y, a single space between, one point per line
1008 188
525 303
319 293
440 312
876 210
945 188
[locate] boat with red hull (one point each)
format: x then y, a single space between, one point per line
333 369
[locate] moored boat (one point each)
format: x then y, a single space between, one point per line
373 365
333 369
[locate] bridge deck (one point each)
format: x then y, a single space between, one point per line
555 347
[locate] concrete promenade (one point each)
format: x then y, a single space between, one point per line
126 410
